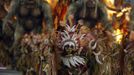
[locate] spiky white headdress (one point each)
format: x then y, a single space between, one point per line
70 37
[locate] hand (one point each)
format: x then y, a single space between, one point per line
131 36
6 29
80 22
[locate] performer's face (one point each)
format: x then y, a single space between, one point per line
91 3
2 2
30 1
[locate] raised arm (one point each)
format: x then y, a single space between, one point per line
11 14
47 15
72 10
12 10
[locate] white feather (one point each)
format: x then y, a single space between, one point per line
64 35
90 45
68 27
74 35
67 34
83 61
82 36
66 62
97 57
79 60
94 46
72 62
75 61
73 28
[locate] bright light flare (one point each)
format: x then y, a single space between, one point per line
109 3
125 10
52 3
110 13
118 35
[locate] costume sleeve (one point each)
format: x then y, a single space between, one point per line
72 9
12 10
11 13
47 13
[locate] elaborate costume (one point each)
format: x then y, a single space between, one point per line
34 53
4 53
29 16
88 11
4 10
70 52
